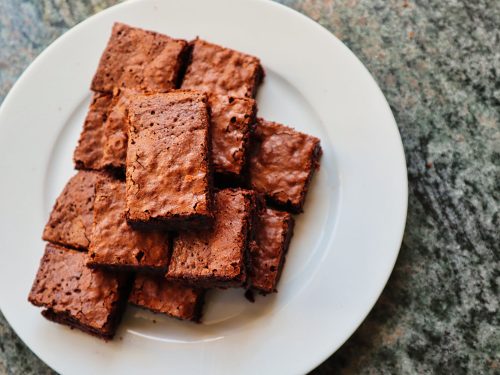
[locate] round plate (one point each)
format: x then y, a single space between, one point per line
345 243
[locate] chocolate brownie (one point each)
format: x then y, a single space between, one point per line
139 59
70 222
72 294
281 164
166 297
216 257
116 129
272 234
168 173
220 70
231 119
114 243
88 153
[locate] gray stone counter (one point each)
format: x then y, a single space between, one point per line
438 63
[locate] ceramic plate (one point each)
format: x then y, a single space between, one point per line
345 243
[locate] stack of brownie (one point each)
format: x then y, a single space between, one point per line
180 187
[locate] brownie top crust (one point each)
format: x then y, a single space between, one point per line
168 171
231 119
114 242
65 285
70 222
222 70
218 253
89 151
139 59
167 297
282 161
273 230
115 130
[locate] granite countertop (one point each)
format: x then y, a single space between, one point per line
438 63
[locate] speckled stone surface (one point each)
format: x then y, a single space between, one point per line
438 63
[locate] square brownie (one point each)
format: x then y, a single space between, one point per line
88 153
166 297
139 59
220 70
272 234
115 130
216 257
231 121
168 172
77 296
70 222
114 243
281 164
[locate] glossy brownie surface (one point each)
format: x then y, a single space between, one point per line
231 119
281 163
73 294
216 256
139 59
115 131
114 243
220 70
70 222
166 297
168 175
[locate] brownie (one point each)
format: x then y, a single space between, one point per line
88 153
216 257
272 234
231 121
168 174
166 297
220 70
115 130
72 294
114 243
70 222
281 164
139 59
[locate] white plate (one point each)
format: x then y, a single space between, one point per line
345 244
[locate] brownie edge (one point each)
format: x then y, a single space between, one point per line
115 244
72 294
216 69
